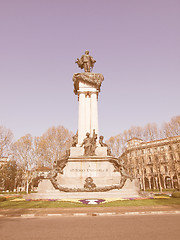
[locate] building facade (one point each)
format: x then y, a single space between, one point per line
155 164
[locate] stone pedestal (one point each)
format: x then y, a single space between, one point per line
130 190
76 151
79 151
78 169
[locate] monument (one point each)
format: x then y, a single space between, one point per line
88 170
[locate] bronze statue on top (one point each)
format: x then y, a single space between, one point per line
86 61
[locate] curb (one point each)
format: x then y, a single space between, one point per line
136 213
93 214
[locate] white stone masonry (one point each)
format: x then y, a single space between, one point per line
88 111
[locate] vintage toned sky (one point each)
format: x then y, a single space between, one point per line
137 47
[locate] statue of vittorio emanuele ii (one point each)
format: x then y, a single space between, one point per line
86 62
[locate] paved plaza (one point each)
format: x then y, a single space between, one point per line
165 227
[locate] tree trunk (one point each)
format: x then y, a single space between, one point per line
27 186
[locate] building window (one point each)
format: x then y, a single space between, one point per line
145 170
165 169
151 170
150 159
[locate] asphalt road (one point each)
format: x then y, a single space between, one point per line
146 227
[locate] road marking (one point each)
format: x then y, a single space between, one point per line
79 214
28 215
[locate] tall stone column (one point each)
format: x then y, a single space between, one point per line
87 86
88 112
94 112
81 119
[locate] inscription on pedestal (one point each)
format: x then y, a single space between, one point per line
88 170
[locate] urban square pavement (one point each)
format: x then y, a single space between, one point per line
136 227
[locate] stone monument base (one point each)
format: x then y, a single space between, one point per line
47 191
73 179
82 177
79 151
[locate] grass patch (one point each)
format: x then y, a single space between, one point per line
14 193
8 193
39 204
146 202
57 204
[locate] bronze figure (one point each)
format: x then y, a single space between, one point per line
94 139
86 61
101 138
89 184
87 142
90 144
75 139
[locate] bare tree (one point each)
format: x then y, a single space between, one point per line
6 137
117 144
8 175
24 155
172 128
151 132
52 145
148 133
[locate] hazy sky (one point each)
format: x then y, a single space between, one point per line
136 44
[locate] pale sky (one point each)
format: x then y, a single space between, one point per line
136 44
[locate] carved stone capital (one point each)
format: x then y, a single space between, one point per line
92 79
87 93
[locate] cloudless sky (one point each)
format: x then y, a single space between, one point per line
136 44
